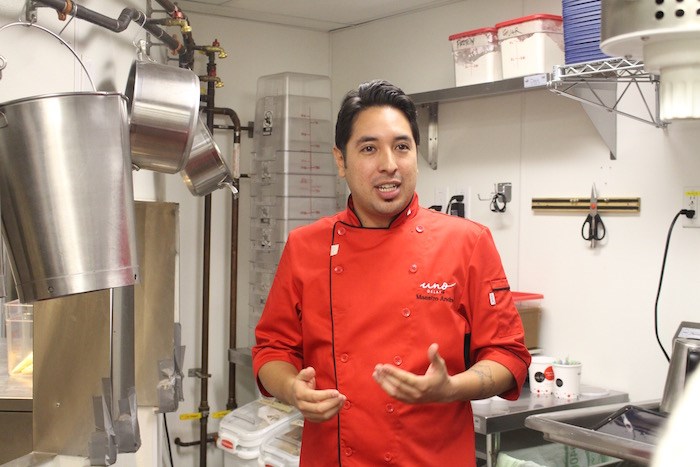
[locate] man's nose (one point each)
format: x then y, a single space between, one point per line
387 161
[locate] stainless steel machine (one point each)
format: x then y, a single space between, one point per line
684 361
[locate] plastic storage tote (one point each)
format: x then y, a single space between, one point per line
243 430
531 44
283 447
477 56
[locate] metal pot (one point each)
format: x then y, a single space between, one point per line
66 194
206 170
163 108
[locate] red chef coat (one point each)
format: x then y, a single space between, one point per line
346 298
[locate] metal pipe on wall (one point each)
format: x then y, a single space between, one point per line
233 280
186 59
204 384
67 7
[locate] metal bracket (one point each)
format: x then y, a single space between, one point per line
30 11
567 79
197 373
503 188
427 116
250 128
596 85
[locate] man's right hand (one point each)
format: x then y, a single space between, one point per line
315 405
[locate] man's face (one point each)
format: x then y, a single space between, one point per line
381 165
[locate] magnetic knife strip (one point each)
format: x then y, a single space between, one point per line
626 205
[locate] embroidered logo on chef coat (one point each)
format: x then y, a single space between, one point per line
435 291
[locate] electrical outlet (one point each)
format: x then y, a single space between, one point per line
460 191
691 200
440 197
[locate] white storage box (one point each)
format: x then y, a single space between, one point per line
296 134
265 256
285 207
283 447
295 185
266 235
531 44
477 56
243 430
294 162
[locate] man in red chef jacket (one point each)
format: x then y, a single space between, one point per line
385 320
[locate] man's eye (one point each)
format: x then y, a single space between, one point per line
367 149
403 147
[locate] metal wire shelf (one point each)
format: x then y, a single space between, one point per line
595 83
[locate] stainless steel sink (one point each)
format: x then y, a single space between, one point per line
574 428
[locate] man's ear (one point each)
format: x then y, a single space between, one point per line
339 161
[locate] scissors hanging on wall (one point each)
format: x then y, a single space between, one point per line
593 228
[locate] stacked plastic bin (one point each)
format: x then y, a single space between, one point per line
294 180
582 20
260 433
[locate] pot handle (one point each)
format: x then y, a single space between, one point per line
60 39
229 183
3 121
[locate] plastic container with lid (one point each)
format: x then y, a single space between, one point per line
19 324
294 162
531 44
283 447
243 430
477 56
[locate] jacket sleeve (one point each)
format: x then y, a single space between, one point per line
496 329
278 334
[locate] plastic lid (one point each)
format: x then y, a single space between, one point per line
247 425
473 32
525 19
523 296
283 447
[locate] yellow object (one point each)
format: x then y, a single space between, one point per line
220 414
190 416
25 367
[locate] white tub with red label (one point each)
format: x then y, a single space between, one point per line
243 430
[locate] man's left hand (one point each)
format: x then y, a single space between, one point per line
434 386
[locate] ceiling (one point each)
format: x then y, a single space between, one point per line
322 15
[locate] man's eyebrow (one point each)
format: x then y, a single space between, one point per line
370 139
366 139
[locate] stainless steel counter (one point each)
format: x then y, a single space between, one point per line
494 416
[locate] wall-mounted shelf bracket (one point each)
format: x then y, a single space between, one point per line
568 80
427 117
596 85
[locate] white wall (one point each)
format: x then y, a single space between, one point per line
599 303
38 64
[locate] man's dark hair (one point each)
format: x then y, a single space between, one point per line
376 93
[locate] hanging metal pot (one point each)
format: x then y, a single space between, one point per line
206 170
66 193
163 108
